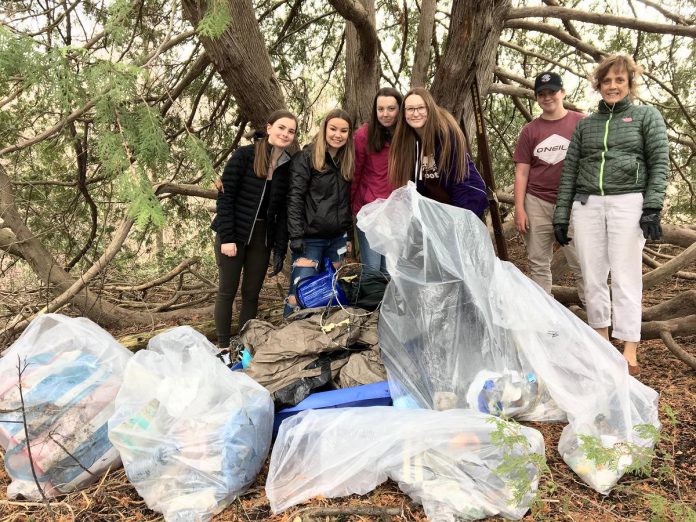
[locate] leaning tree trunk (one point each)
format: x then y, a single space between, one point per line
362 57
474 32
240 57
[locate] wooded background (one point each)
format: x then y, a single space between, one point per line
115 117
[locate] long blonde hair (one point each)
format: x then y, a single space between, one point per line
439 126
345 155
262 151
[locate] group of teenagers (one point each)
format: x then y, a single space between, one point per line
605 174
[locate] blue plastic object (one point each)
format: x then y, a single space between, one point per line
376 394
318 290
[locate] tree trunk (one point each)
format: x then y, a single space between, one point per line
421 58
362 57
474 31
240 57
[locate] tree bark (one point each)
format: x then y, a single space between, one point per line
424 37
474 31
240 57
362 57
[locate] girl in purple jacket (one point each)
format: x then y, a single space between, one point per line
428 148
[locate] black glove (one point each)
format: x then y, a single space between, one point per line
297 246
561 234
650 223
278 260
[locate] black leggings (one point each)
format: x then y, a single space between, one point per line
252 259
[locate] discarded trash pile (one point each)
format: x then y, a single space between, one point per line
192 434
70 371
317 347
461 329
444 460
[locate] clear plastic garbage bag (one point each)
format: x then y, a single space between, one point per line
444 460
192 434
460 328
71 372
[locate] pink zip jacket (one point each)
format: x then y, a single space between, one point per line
370 180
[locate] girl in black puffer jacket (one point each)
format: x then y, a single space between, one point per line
252 219
319 215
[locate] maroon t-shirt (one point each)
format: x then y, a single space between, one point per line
543 145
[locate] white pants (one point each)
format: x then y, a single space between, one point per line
608 238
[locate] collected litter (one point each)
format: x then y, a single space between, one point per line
460 328
71 370
318 348
192 434
444 460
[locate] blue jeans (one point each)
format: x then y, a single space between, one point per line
315 250
368 256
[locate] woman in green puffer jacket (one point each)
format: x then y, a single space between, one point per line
614 179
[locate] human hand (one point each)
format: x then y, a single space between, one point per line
228 249
521 220
650 223
297 246
561 234
278 260
218 184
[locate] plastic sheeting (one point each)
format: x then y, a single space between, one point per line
443 460
460 328
71 372
191 433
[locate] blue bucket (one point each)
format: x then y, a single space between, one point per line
318 290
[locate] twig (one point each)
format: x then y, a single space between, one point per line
50 436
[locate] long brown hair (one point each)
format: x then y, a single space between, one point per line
376 132
440 126
345 155
619 62
263 149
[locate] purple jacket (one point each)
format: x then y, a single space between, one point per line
470 193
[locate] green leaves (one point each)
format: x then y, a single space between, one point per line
216 19
134 187
198 153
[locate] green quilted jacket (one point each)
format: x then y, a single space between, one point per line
616 150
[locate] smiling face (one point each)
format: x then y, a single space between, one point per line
387 109
416 111
337 132
550 101
281 132
614 86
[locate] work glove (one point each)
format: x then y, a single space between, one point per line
650 223
278 260
561 234
297 246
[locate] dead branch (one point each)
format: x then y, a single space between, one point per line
558 33
527 52
677 350
512 90
691 276
564 13
67 452
20 373
178 269
167 189
310 514
670 268
680 305
667 14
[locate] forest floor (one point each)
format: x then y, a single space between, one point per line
662 496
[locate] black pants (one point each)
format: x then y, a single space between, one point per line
252 259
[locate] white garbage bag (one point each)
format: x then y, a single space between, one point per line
460 328
192 434
444 460
71 371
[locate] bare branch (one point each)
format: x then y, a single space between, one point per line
511 90
542 57
667 14
558 33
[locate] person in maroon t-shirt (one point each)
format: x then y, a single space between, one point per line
538 158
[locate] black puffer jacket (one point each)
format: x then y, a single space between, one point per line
318 202
238 205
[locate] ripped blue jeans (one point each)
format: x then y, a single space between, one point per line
315 250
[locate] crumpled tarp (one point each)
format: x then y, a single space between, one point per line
71 372
192 434
444 460
460 328
315 348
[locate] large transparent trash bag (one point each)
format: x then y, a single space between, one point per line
71 372
460 328
192 434
444 460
